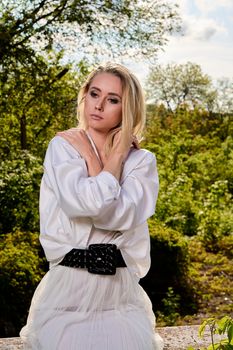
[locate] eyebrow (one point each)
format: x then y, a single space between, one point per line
109 93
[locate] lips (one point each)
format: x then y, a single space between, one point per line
96 117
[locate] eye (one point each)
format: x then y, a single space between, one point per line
113 100
93 94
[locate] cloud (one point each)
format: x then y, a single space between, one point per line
201 29
197 21
214 58
206 37
206 6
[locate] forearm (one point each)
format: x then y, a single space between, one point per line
114 165
94 166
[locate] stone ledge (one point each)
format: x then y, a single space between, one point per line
175 338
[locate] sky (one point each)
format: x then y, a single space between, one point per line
206 39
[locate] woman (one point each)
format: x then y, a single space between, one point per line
97 191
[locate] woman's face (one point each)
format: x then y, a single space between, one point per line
103 103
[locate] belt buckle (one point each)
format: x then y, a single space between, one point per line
102 259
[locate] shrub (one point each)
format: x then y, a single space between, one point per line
21 268
215 219
169 270
19 193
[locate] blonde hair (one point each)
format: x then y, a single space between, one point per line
133 103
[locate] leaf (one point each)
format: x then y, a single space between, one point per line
230 334
228 347
223 324
202 328
210 322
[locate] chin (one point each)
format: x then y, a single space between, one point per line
98 129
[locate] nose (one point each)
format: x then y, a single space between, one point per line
99 105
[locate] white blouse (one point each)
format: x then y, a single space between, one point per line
77 210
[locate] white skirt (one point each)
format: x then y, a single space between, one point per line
73 309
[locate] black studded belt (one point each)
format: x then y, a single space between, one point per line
102 259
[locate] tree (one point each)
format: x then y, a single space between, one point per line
180 84
224 103
36 102
116 27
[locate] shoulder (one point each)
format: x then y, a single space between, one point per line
140 160
58 142
141 155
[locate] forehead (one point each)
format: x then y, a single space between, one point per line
107 83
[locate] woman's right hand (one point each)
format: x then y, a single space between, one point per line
80 141
123 146
119 152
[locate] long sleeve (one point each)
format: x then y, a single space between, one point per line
77 210
77 194
137 199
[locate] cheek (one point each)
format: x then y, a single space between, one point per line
87 105
118 114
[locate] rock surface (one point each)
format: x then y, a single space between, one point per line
175 338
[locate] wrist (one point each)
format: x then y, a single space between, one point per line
94 165
119 157
114 164
91 156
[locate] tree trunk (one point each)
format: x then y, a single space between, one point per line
23 133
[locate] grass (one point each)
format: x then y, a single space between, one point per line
211 274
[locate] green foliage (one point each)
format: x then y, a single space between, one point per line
223 326
194 151
216 220
170 309
20 272
168 279
19 193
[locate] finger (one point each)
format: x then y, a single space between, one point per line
68 131
64 136
135 142
60 133
136 145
